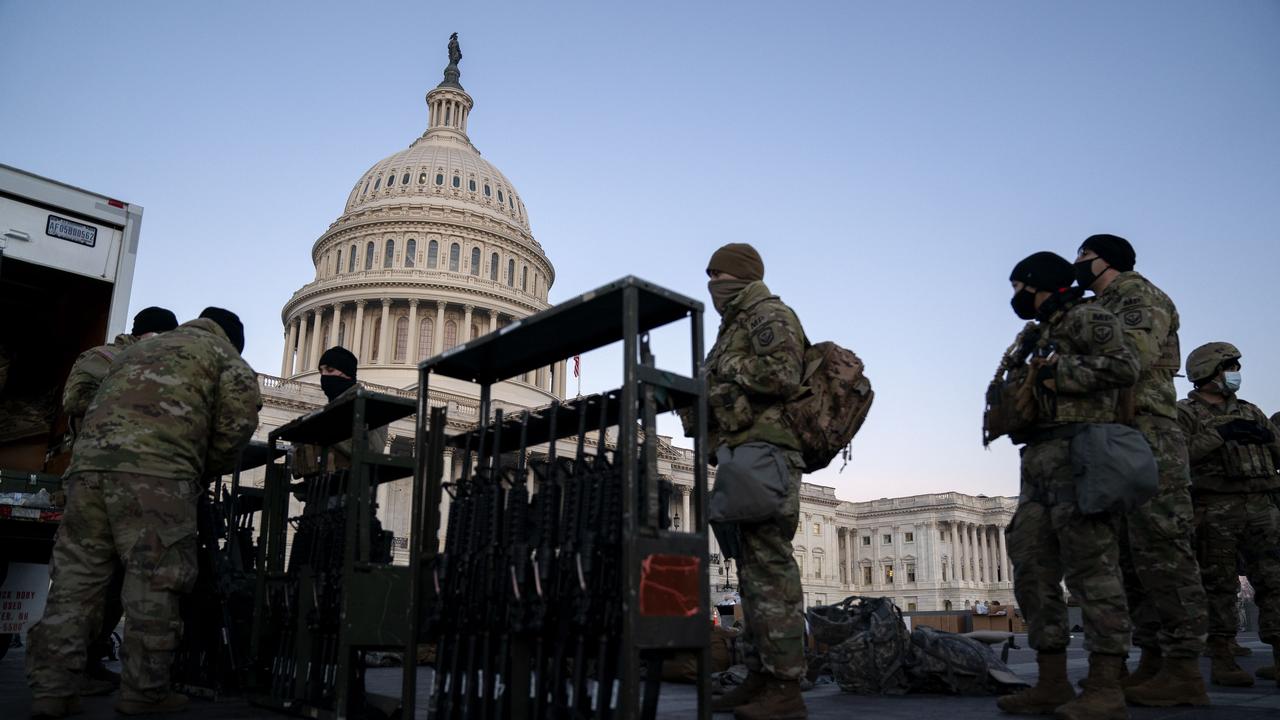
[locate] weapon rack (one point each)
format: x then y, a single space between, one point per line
212 660
368 597
623 311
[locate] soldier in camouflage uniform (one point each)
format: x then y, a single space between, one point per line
1078 362
1162 577
82 384
753 368
171 413
338 368
1234 451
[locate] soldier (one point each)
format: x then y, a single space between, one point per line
1234 451
1162 578
170 414
82 384
338 368
1078 362
755 366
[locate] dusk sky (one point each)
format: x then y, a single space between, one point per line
891 162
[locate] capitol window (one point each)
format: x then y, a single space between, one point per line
500 195
376 341
404 179
866 575
911 572
342 334
455 255
888 574
909 537
866 540
410 252
338 267
351 260
391 179
886 539
488 192
457 181
377 184
422 178
471 185
524 278
493 267
390 255
440 178
511 273
433 252
475 261
817 528
426 338
402 339
366 188
368 256
450 333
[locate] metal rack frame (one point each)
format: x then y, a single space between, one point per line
624 310
366 585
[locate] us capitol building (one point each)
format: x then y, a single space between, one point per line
434 248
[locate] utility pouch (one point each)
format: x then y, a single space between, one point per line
1113 468
1011 405
752 481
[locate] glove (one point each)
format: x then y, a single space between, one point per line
1245 432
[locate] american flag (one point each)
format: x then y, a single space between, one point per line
577 366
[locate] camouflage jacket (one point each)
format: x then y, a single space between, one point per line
1094 361
1151 322
753 368
181 405
86 375
1227 466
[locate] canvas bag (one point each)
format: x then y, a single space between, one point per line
872 647
752 481
1113 468
947 663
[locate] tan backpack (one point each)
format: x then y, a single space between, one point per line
833 406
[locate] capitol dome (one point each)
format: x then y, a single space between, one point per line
432 249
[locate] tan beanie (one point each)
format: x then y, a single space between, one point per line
739 260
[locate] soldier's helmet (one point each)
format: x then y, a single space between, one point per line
1204 362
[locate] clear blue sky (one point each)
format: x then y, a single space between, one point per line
891 161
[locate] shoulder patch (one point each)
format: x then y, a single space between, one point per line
1102 334
1138 317
1100 317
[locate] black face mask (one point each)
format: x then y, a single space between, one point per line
1024 304
333 385
1085 276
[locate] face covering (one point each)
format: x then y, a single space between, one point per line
1084 273
724 291
1024 304
1231 380
334 385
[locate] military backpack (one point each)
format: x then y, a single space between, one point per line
833 405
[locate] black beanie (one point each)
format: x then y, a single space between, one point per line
230 324
1114 249
340 358
1044 271
153 320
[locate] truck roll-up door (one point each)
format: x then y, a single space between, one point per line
59 239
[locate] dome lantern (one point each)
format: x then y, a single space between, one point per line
448 104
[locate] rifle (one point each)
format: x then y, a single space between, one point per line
516 543
567 580
590 557
450 684
547 505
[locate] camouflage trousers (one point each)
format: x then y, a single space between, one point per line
772 598
1050 540
1161 575
150 524
1230 527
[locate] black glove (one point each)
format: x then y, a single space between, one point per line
1245 432
1045 374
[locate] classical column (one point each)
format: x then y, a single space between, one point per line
991 554
962 551
685 492
493 321
466 323
384 352
290 344
411 352
971 547
333 326
1005 565
301 364
439 331
357 347
980 542
317 329
562 382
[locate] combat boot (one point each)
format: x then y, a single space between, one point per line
1223 668
1148 666
1102 698
171 703
1237 649
742 694
781 700
1052 689
45 707
1179 682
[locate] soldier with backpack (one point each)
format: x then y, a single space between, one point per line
755 366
